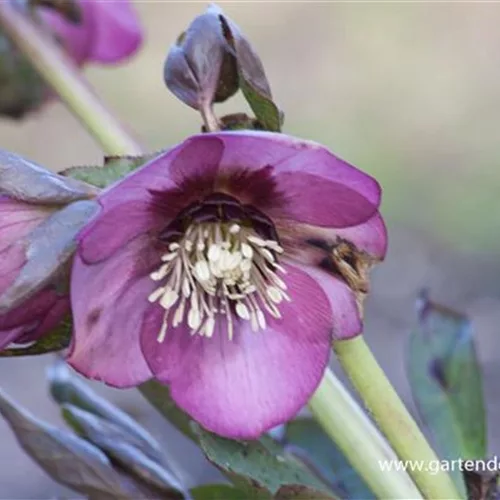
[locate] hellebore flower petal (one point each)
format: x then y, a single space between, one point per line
109 31
255 149
34 318
135 217
116 30
54 315
369 237
107 322
316 200
346 321
17 219
12 260
8 336
193 161
244 387
47 248
131 202
321 189
25 180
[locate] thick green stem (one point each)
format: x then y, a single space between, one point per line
65 79
393 419
359 440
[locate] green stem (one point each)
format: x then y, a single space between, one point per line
393 418
359 440
65 79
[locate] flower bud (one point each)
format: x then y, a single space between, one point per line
212 60
199 68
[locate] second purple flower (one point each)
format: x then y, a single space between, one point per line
108 31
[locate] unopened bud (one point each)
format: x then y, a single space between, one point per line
199 69
211 60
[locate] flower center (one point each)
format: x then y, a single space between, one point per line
219 269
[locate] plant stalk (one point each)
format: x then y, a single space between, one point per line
64 77
393 419
359 440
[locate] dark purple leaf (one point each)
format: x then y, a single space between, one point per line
68 459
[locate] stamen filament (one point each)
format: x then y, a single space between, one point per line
219 270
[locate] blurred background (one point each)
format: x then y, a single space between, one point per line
410 93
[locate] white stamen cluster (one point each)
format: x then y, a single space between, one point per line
219 269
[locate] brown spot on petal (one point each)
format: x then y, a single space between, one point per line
321 247
352 266
93 318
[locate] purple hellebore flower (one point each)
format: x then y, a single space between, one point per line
30 319
40 214
215 269
30 303
109 31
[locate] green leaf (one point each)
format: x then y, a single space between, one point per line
56 340
446 381
252 466
217 492
306 440
124 450
259 467
266 111
252 77
159 396
66 388
114 169
68 459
